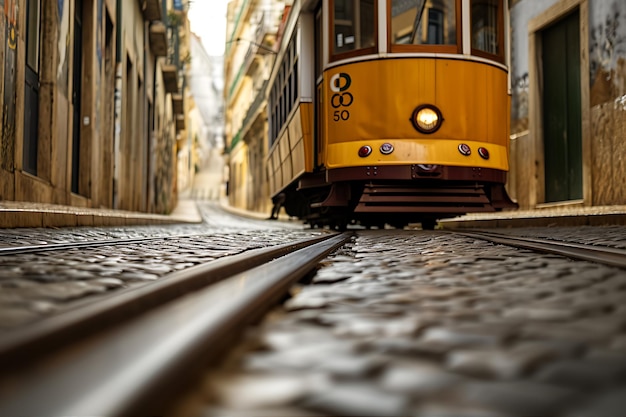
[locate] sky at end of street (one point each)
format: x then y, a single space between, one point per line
208 21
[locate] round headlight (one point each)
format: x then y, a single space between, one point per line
426 118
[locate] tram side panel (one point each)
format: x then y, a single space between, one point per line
292 154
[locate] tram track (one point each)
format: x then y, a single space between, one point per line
41 336
592 253
19 250
138 345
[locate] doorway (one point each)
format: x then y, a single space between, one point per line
31 87
561 110
77 74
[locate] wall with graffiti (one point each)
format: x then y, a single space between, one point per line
605 103
607 56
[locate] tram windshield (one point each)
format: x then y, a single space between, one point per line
354 27
423 22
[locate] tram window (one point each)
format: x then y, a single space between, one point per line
284 92
354 27
424 22
487 28
318 45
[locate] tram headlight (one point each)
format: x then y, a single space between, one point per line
426 118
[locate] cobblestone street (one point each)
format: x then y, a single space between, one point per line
36 285
395 323
431 324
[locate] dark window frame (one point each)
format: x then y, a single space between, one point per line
285 90
499 57
356 52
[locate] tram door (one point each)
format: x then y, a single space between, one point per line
561 110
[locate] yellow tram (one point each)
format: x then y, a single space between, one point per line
390 111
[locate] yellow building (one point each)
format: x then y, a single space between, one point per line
252 30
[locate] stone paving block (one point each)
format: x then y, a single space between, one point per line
451 409
541 313
500 364
551 331
605 404
378 327
357 400
61 291
293 334
517 398
252 392
466 335
353 367
300 357
418 379
278 411
618 343
409 347
557 348
583 373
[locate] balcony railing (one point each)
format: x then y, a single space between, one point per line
151 9
177 103
170 78
180 122
158 38
265 31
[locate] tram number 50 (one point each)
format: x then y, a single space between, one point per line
341 115
339 85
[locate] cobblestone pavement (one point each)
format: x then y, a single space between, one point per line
432 324
40 284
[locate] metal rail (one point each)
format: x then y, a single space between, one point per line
598 254
132 368
40 337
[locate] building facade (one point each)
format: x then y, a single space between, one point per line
568 102
252 30
92 103
206 83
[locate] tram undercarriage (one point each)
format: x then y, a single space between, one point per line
396 203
